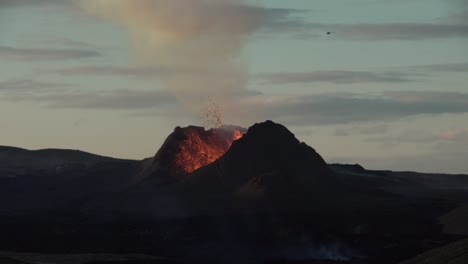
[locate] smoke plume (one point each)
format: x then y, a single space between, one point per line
199 41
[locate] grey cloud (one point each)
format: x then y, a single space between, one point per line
40 54
292 23
448 156
275 78
66 42
460 17
15 85
63 95
362 130
413 136
447 152
434 162
449 67
110 100
348 108
22 3
118 100
399 31
299 28
433 97
338 77
135 71
284 18
443 138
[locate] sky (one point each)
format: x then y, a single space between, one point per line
386 88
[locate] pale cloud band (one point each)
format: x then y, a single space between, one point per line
336 76
319 109
43 54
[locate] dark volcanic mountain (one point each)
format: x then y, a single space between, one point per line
227 195
269 165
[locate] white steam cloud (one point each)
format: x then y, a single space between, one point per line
200 41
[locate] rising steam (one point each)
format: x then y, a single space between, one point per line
199 41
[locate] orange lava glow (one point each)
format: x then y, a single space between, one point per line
201 148
236 135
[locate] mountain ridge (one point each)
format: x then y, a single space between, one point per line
266 196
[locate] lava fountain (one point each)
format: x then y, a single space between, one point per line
201 147
190 148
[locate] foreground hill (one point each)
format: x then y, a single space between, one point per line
57 180
258 197
454 253
20 162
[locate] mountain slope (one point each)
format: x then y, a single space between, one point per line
268 163
16 161
263 196
454 253
58 180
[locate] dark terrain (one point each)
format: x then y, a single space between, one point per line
268 199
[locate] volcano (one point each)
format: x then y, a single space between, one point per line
188 149
267 165
224 194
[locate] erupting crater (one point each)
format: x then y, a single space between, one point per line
188 149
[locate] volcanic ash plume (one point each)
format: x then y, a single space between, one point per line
198 42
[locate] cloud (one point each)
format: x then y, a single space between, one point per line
293 25
22 3
297 25
425 136
337 77
298 110
69 96
337 108
133 71
430 97
405 137
372 129
40 54
15 85
455 135
443 150
449 67
100 100
447 152
398 31
278 19
115 100
460 17
66 42
451 161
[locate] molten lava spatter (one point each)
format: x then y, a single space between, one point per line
190 148
200 147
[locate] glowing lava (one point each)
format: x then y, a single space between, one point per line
200 147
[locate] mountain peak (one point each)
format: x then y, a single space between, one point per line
269 133
273 145
268 163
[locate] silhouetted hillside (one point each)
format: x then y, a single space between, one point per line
454 253
224 195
